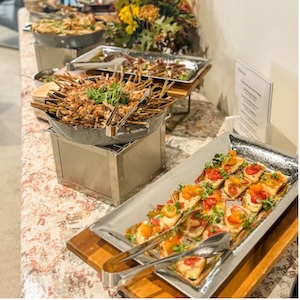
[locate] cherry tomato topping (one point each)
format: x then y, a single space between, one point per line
171 242
214 229
169 211
252 169
191 261
232 189
146 230
208 203
154 222
213 174
261 195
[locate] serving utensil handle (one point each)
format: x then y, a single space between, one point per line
116 272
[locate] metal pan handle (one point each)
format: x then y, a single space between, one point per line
27 27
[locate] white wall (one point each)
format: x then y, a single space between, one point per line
263 34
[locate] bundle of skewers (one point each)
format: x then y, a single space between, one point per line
106 99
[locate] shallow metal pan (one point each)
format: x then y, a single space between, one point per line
67 41
195 65
156 193
91 136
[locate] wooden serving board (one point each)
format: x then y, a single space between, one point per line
240 284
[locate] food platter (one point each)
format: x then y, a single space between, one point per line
53 32
107 111
123 217
192 64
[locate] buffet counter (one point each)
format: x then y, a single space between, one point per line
52 214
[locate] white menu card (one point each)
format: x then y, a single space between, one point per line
253 97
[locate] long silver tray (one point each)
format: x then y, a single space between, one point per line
194 65
136 208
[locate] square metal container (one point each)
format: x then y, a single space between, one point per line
53 57
112 174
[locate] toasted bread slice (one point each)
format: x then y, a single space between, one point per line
273 182
190 267
254 171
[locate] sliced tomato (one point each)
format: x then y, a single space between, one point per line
154 222
227 168
213 174
252 169
191 261
232 190
262 195
208 203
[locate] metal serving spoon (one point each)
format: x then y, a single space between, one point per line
116 271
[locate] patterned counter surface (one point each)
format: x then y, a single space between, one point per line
52 214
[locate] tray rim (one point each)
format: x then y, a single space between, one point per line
235 257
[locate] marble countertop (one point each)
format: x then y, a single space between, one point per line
52 214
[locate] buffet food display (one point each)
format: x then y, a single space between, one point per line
231 185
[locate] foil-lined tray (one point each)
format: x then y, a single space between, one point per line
136 208
193 65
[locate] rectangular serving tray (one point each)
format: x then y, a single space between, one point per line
192 63
136 208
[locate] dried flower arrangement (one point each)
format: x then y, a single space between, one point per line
153 25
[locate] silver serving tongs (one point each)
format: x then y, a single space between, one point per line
113 130
118 61
115 271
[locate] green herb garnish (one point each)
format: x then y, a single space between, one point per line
112 94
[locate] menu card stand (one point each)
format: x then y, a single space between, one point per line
253 97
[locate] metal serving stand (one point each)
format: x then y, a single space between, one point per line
112 173
183 91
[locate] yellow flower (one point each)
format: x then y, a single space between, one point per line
128 12
130 29
149 12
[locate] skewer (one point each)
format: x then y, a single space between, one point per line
69 112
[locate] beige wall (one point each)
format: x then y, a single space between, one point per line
263 34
